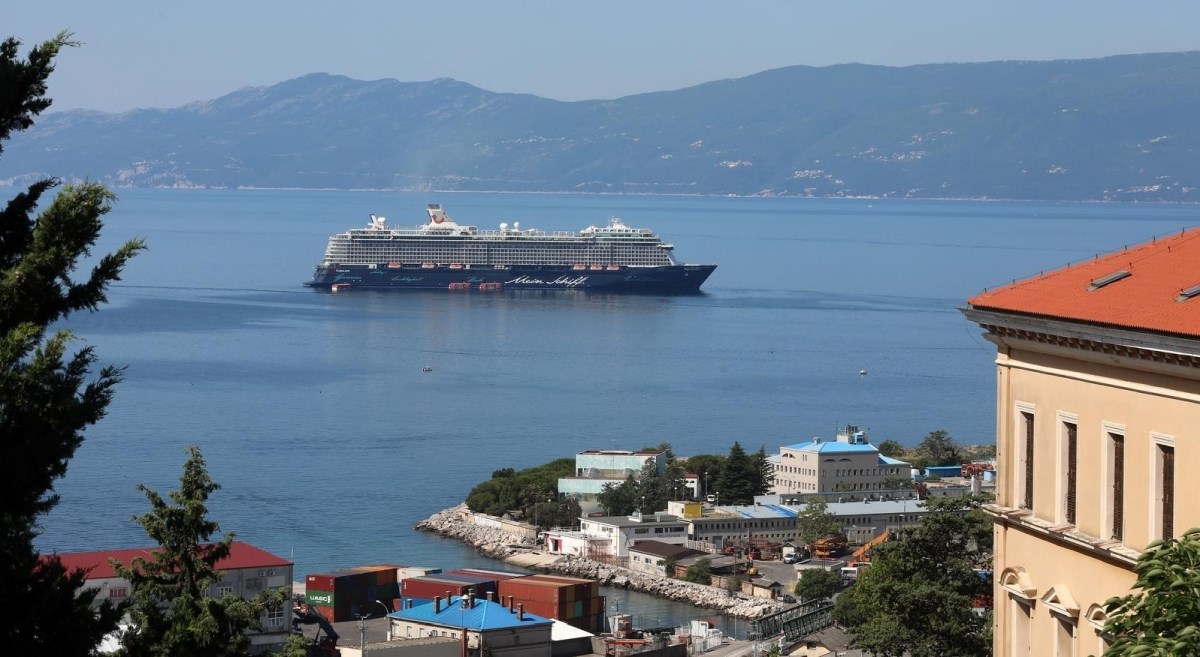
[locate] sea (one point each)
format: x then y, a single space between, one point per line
330 441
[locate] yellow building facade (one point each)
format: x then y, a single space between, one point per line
1098 423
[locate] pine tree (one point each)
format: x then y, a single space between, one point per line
171 611
765 479
738 478
47 395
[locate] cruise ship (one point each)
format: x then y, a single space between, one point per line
445 255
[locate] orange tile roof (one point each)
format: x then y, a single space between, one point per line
1145 299
241 555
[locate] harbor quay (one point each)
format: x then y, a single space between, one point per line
516 545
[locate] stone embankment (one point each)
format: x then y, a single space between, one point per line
498 544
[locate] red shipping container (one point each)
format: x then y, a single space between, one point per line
534 589
494 575
432 587
319 582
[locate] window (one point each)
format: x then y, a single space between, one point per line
1071 446
275 616
1162 506
1064 639
1116 489
1026 458
223 591
118 592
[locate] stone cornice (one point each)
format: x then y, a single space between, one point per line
1111 551
1141 349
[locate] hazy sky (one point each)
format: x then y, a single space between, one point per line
165 54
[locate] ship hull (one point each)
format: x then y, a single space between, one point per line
677 279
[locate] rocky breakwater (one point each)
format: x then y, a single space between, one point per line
496 543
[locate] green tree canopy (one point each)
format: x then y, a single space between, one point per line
1162 615
738 479
917 596
815 521
938 448
891 449
171 611
48 395
764 474
700 572
816 584
619 499
509 490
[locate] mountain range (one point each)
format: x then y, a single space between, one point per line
1123 128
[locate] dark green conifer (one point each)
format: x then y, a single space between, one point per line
48 394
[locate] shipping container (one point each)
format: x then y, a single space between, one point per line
480 583
318 598
495 575
429 587
415 571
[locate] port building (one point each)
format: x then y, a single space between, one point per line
849 463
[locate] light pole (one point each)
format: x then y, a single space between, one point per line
705 485
362 634
386 611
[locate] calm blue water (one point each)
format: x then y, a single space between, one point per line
313 412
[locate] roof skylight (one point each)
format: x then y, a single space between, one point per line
1190 292
1108 280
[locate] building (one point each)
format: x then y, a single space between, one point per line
767 519
486 627
850 463
1097 423
247 572
594 468
622 532
652 557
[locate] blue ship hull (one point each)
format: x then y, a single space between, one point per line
677 279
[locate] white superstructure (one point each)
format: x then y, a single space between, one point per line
443 242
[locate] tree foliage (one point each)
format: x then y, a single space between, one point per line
916 598
764 474
509 490
171 611
738 479
619 499
815 521
700 572
891 449
48 395
938 448
816 584
1162 615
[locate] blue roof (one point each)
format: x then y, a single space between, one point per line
831 446
485 615
886 460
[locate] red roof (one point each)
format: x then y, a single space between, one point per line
1145 299
241 555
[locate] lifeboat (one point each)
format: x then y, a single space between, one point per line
490 287
460 286
596 267
613 267
394 265
428 265
579 267
456 265
338 287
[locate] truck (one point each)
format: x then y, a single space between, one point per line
790 555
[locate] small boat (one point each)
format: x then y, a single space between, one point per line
456 265
428 265
613 267
427 369
338 287
596 267
579 267
460 286
490 287
394 265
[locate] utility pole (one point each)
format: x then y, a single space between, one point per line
362 634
